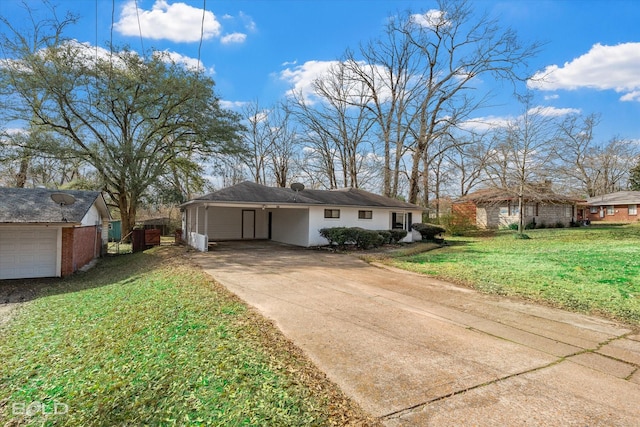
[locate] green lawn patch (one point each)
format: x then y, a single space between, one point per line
588 269
146 339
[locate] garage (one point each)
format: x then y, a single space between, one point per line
28 252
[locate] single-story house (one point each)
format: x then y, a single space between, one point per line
253 211
50 233
495 208
621 206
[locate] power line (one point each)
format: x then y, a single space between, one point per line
204 9
140 29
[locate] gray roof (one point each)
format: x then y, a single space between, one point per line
252 193
34 205
618 198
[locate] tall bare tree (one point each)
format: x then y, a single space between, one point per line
337 123
524 156
457 47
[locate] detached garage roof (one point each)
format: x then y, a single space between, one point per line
252 193
618 198
34 205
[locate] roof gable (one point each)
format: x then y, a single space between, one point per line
250 192
34 205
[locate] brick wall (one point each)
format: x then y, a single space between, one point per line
67 252
80 245
620 214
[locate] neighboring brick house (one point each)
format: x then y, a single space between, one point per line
621 206
41 238
496 208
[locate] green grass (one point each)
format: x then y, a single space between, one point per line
144 339
589 269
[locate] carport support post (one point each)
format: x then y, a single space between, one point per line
206 222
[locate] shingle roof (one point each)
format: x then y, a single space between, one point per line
250 192
618 198
34 205
496 195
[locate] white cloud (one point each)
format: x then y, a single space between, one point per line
177 22
233 38
431 19
552 111
602 68
188 62
482 124
551 97
301 77
232 105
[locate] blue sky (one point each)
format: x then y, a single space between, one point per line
257 49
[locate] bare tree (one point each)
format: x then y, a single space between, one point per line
390 69
257 141
337 124
284 143
457 47
523 156
576 150
469 161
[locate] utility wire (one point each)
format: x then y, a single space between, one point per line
204 9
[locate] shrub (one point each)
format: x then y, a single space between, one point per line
336 235
366 239
386 236
397 235
512 226
427 231
559 224
455 224
361 238
530 225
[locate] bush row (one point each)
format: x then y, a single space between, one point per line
361 238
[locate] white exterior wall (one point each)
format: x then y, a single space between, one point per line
381 220
291 226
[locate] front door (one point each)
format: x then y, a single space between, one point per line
248 224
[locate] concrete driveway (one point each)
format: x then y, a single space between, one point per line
416 351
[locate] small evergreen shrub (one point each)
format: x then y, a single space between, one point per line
513 226
428 231
559 224
397 235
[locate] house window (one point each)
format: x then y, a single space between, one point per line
332 213
568 211
365 214
633 209
610 210
530 210
504 210
515 209
593 209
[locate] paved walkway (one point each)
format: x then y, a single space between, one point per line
416 351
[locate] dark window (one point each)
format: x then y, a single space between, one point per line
332 213
365 214
397 221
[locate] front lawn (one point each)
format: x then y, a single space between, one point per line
588 269
146 339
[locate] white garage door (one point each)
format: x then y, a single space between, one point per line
28 252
